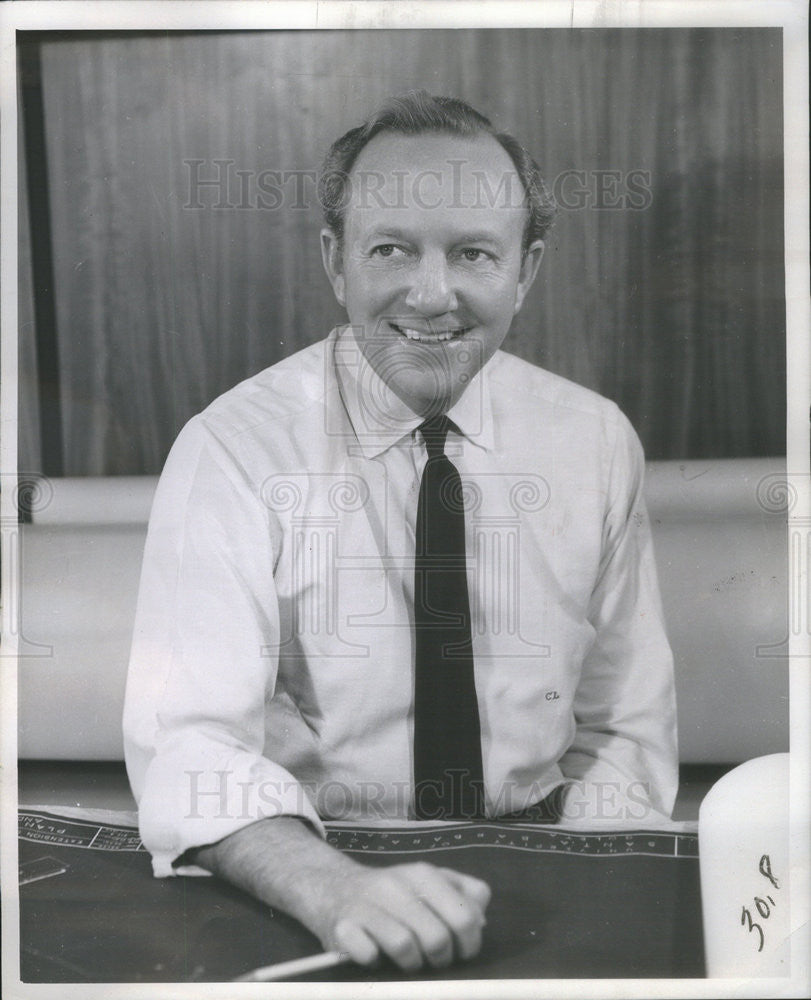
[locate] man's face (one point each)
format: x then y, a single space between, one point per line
431 271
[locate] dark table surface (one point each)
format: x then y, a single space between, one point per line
564 904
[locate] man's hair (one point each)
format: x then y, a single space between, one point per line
416 113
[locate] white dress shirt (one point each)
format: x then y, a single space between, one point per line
272 666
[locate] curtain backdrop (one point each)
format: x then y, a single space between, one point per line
662 286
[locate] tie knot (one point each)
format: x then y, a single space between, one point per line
434 432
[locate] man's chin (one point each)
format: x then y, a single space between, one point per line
429 402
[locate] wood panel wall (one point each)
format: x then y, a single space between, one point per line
672 305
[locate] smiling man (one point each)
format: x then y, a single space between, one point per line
431 274
401 574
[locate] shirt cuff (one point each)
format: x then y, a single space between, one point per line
188 807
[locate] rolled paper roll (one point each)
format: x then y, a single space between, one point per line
743 837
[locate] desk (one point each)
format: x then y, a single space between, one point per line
565 904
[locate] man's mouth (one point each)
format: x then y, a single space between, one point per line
430 336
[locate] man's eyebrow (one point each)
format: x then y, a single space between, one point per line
477 236
480 237
387 234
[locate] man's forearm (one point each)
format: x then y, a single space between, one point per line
282 862
414 913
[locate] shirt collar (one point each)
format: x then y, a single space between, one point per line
378 416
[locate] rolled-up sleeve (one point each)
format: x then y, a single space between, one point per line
200 668
623 761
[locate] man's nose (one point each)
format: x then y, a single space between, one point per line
432 292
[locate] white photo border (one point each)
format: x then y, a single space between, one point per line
791 15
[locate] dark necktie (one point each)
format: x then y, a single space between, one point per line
448 779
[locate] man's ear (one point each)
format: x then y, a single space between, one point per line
333 263
529 268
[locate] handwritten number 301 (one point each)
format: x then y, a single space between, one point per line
763 908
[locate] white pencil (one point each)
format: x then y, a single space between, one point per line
298 967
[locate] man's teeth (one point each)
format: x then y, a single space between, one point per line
418 335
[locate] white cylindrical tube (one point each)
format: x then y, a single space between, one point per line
743 835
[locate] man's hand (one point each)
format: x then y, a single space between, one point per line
416 914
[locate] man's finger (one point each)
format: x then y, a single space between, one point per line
394 938
353 939
436 935
457 911
473 888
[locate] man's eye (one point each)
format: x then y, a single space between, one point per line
473 255
385 250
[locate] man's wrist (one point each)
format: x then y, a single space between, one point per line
282 861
